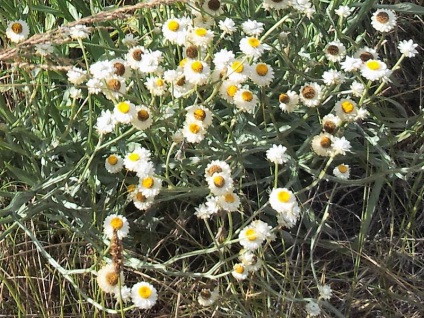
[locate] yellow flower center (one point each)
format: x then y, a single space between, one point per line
219 181
283 196
194 128
140 197
237 66
119 68
229 198
116 223
238 268
347 107
197 66
136 54
199 114
325 142
173 25
284 98
342 168
253 42
147 182
112 160
159 82
250 234
143 115
246 96
123 107
231 90
333 50
17 28
200 31
144 292
113 84
373 65
382 17
308 92
131 188
261 69
112 278
133 156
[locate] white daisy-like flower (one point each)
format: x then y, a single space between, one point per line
155 85
130 40
325 291
229 201
76 75
207 297
252 236
351 64
79 32
175 30
150 62
227 26
109 279
365 53
330 123
134 56
140 201
252 27
277 154
343 11
213 7
312 308
333 77
346 109
150 186
362 114
262 74
340 146
383 20
408 48
275 5
263 229
116 223
95 85
227 90
357 88
281 199
220 183
105 122
199 113
342 171
17 31
75 93
245 100
335 51
115 87
193 131
373 70
322 144
252 262
114 163
310 94
136 158
144 169
200 37
288 101
202 21
144 295
121 68
252 47
238 72
123 293
222 59
44 49
288 218
101 69
143 118
217 166
196 72
203 211
124 112
239 271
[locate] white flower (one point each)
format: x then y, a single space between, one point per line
79 32
325 291
124 294
200 37
17 31
362 114
134 56
76 75
124 112
289 216
220 183
105 122
373 70
365 53
263 229
140 201
175 30
143 118
310 94
408 48
281 199
312 309
213 7
116 223
383 20
108 278
346 109
114 163
277 154
288 101
136 158
335 51
222 59
229 201
342 171
333 77
75 93
252 27
193 131
196 72
250 260
203 211
340 146
275 5
217 166
351 64
330 123
95 85
245 100
262 74
199 113
343 11
115 87
144 295
227 26
238 72
130 40
150 62
150 186
44 49
102 69
155 85
252 47
240 271
250 238
357 88
322 144
207 297
227 90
